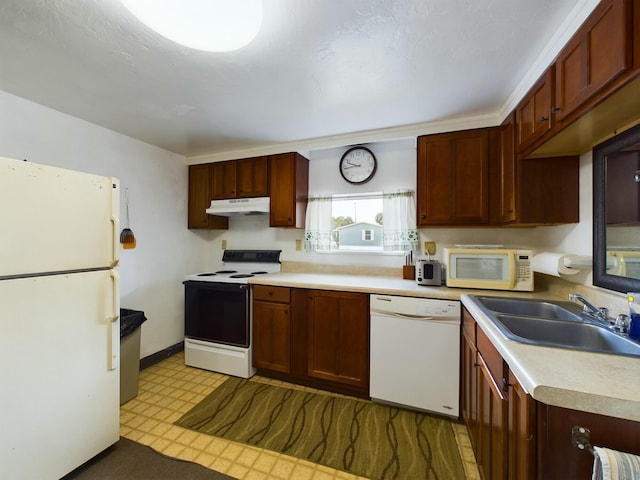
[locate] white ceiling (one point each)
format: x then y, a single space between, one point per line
318 69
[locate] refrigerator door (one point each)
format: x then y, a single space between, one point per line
59 372
56 220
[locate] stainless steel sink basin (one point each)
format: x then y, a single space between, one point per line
553 323
532 308
565 334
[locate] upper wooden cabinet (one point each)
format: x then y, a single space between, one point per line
599 52
533 113
508 170
223 180
453 177
252 177
535 191
200 199
244 178
289 187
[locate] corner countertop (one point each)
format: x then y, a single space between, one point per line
591 382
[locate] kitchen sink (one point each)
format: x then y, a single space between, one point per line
533 308
553 323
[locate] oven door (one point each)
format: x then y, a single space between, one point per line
217 312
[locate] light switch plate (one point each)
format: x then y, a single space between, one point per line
223 244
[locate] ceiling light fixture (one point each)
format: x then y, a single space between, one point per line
208 25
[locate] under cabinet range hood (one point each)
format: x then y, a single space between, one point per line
239 206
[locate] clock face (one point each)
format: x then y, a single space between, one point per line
358 165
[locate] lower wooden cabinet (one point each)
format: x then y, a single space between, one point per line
516 437
272 328
522 431
317 338
339 337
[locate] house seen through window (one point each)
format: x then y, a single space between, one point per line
356 222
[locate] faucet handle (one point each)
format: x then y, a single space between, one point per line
604 311
622 323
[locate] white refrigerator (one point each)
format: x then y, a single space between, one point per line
59 318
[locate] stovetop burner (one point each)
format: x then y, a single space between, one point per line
239 265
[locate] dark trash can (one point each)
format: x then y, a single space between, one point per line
130 322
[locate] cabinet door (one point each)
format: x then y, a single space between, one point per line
200 199
223 180
522 432
549 190
533 114
289 179
271 336
493 434
508 163
252 177
599 52
339 337
470 389
453 179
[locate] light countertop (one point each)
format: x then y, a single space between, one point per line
592 382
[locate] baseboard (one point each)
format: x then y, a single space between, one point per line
161 355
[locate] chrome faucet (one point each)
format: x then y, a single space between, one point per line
601 314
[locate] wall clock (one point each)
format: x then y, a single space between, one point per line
358 165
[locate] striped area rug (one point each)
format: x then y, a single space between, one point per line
356 436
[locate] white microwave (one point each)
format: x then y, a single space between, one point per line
489 268
627 264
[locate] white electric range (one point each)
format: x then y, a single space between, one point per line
218 312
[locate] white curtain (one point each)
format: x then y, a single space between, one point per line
317 235
399 232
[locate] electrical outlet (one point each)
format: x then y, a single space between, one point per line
298 245
223 244
430 248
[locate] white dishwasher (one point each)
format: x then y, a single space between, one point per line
415 353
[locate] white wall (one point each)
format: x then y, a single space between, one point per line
151 274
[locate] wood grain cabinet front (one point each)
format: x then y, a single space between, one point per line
272 328
338 342
200 199
289 187
533 113
453 178
601 50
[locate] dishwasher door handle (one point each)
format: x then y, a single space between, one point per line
401 315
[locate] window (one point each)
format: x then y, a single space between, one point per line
355 222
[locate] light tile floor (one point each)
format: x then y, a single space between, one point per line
169 389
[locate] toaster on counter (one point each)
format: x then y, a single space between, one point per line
428 272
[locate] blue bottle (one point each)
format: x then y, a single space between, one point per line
634 311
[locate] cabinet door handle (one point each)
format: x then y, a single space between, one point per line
544 119
555 109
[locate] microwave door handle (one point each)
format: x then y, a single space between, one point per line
512 270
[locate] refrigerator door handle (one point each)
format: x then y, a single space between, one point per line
113 325
115 220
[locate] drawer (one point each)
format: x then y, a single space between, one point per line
492 358
271 294
469 326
